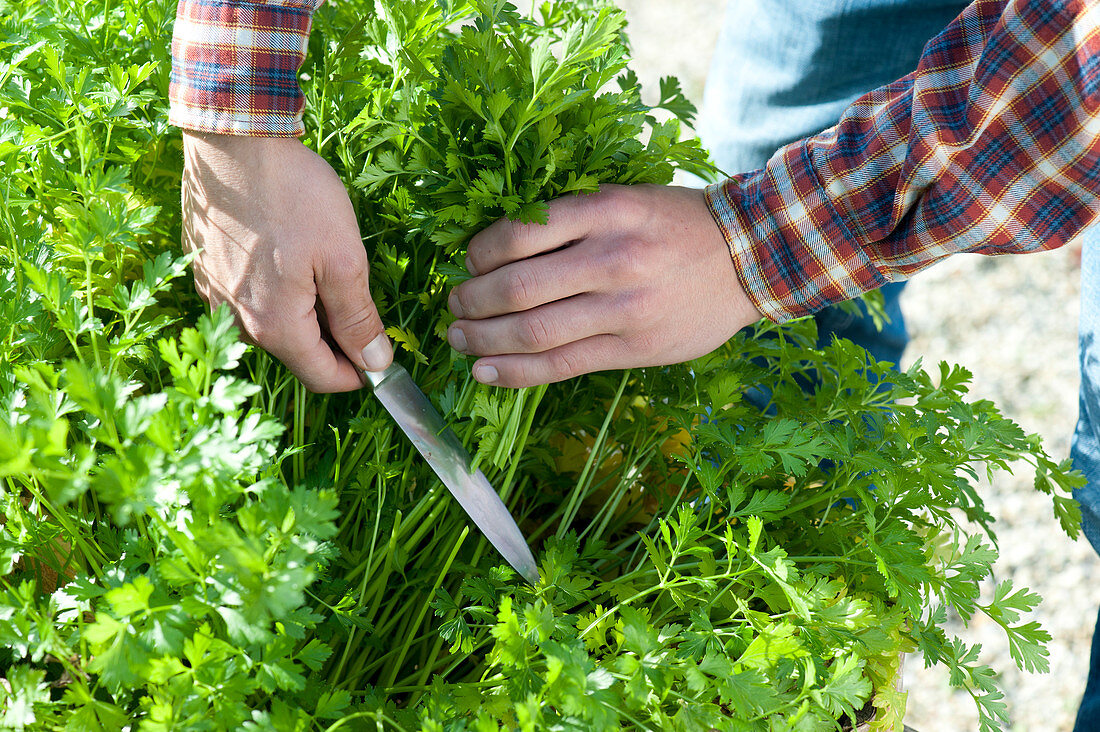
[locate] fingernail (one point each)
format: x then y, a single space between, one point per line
486 374
470 266
378 354
455 305
457 339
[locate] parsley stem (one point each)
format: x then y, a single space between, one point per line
524 432
405 689
299 429
395 666
582 486
826 558
378 716
379 583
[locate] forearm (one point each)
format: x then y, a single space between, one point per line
989 146
273 231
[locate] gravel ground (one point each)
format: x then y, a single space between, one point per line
1012 322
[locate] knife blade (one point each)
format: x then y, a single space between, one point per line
444 452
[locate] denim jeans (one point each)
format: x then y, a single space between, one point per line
1086 447
786 69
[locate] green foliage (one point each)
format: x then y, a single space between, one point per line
191 541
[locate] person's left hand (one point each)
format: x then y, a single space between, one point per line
630 276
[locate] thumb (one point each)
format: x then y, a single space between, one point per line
353 319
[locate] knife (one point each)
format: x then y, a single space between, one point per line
440 446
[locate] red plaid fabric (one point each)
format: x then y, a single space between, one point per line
992 145
235 66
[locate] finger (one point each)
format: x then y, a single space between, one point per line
597 353
570 218
298 342
350 314
538 330
526 284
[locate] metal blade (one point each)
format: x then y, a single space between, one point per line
440 446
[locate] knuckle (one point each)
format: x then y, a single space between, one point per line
626 262
347 265
505 240
458 298
361 320
534 333
565 364
617 203
520 287
525 372
519 238
476 254
643 344
639 303
609 196
259 331
474 260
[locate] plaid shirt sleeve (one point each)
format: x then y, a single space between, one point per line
992 145
235 65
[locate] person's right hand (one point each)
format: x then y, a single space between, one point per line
278 242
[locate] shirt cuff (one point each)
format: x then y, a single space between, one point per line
792 250
235 67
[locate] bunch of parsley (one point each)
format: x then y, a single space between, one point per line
192 541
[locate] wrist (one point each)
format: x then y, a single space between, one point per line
753 295
240 151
